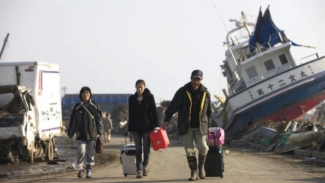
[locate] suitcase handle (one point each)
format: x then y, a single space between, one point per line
126 145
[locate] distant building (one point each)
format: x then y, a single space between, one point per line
107 102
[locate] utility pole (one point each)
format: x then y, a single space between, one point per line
4 45
64 90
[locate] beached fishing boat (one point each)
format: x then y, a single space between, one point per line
264 80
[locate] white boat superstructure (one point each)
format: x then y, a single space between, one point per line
263 78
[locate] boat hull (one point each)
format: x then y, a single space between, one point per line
289 105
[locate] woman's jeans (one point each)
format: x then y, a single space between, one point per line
85 154
139 140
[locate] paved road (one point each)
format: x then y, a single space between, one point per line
170 165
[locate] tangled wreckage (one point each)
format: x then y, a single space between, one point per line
30 110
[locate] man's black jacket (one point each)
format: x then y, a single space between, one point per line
182 102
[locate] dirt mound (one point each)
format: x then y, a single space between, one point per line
120 113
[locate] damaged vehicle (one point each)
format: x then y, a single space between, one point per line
30 111
18 127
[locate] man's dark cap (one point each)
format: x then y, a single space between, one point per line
197 74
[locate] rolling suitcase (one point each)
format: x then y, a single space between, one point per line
128 159
214 165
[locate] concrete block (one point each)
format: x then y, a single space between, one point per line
268 133
319 155
238 143
304 153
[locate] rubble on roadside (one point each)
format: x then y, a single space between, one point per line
120 116
304 138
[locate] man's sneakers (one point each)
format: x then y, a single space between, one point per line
81 173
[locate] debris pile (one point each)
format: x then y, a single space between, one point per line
161 112
120 116
172 129
282 137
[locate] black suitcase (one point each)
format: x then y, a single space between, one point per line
214 165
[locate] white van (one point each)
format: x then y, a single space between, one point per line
30 110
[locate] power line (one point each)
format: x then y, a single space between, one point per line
4 45
248 10
219 15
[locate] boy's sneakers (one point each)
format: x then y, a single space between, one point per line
139 174
88 175
80 173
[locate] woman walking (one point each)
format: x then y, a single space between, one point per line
143 119
86 123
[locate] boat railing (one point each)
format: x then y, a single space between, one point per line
314 54
265 46
235 41
239 34
247 54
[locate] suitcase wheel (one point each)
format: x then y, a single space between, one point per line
221 176
125 175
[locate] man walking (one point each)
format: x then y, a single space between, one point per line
193 104
108 127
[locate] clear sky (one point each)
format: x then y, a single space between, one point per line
109 44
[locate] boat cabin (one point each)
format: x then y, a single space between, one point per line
267 64
251 58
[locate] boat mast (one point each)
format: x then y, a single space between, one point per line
4 45
245 23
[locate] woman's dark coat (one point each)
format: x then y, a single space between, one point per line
143 115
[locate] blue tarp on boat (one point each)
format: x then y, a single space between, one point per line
266 32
